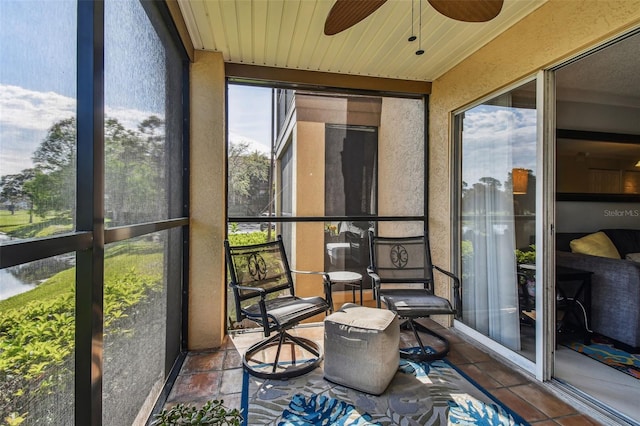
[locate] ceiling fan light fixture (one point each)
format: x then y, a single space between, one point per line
419 51
347 13
412 37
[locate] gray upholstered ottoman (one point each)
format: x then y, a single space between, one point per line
361 348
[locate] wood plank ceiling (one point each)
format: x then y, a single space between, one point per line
289 34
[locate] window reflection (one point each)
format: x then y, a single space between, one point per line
497 199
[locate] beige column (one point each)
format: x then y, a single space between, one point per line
308 254
208 204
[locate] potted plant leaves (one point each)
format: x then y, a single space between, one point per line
213 412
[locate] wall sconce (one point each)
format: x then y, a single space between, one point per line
638 163
520 179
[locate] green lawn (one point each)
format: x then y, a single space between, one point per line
141 256
17 224
9 222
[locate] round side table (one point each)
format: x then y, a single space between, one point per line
348 278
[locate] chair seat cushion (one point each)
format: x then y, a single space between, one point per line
415 303
288 310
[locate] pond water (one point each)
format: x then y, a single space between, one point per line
10 285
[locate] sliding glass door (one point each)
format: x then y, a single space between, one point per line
497 219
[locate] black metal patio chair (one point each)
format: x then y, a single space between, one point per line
403 278
264 291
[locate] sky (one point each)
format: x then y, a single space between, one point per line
38 80
497 139
250 116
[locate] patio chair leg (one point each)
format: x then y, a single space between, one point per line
267 369
302 342
281 341
423 355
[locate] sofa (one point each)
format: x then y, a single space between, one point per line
615 283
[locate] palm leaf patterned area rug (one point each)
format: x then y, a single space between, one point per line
420 394
602 349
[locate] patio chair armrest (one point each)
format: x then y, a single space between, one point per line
456 280
259 290
375 281
457 300
375 277
325 281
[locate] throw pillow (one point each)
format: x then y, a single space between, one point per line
634 257
597 244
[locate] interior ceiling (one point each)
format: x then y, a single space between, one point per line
289 34
584 149
608 76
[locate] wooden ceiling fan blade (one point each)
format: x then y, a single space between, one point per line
346 13
468 10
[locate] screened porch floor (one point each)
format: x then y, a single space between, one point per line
218 374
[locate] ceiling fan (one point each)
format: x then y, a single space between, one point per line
346 13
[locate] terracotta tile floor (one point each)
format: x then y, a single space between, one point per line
217 374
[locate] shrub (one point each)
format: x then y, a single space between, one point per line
211 413
248 238
526 256
37 330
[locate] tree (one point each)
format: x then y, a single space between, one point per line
45 192
248 179
57 151
13 191
52 186
135 182
491 182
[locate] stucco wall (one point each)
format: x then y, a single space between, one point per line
401 164
554 32
308 255
207 198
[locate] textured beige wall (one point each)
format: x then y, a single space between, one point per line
401 164
308 255
554 32
207 198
